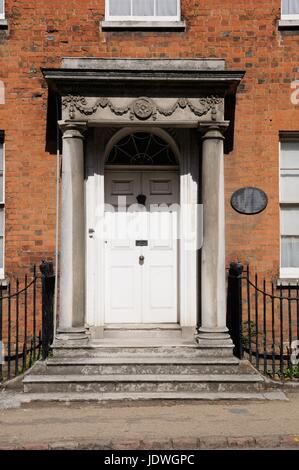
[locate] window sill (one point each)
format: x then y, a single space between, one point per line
143 26
285 283
3 282
3 24
288 24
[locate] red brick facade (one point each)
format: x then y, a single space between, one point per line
244 33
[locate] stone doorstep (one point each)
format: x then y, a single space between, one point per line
155 360
141 327
145 348
193 443
140 365
147 343
146 331
104 398
235 378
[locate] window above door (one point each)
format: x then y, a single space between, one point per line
142 148
143 14
143 10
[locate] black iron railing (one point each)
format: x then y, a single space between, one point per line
263 319
26 321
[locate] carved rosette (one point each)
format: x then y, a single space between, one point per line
142 108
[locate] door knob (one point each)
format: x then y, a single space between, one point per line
141 259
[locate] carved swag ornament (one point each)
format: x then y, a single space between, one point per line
141 108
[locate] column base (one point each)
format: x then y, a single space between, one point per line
216 341
75 336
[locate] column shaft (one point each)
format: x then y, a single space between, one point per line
72 233
213 326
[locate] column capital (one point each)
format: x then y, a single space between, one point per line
213 129
72 129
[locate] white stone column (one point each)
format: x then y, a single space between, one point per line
72 233
213 330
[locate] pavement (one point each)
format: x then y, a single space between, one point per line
152 425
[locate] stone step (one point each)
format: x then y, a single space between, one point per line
103 398
144 331
140 349
143 383
147 365
153 359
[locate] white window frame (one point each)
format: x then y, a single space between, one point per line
285 273
2 207
2 13
288 17
154 18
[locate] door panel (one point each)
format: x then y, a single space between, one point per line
123 277
161 187
160 273
160 286
161 298
123 183
123 280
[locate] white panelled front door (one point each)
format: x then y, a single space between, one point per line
141 247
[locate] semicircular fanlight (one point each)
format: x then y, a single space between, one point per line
141 148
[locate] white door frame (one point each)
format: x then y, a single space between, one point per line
96 154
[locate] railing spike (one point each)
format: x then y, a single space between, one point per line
14 307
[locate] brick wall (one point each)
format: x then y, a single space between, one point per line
243 32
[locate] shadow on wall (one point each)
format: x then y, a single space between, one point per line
53 136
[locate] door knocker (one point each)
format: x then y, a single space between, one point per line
141 199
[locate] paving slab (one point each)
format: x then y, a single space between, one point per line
225 424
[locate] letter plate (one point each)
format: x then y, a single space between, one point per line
141 242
